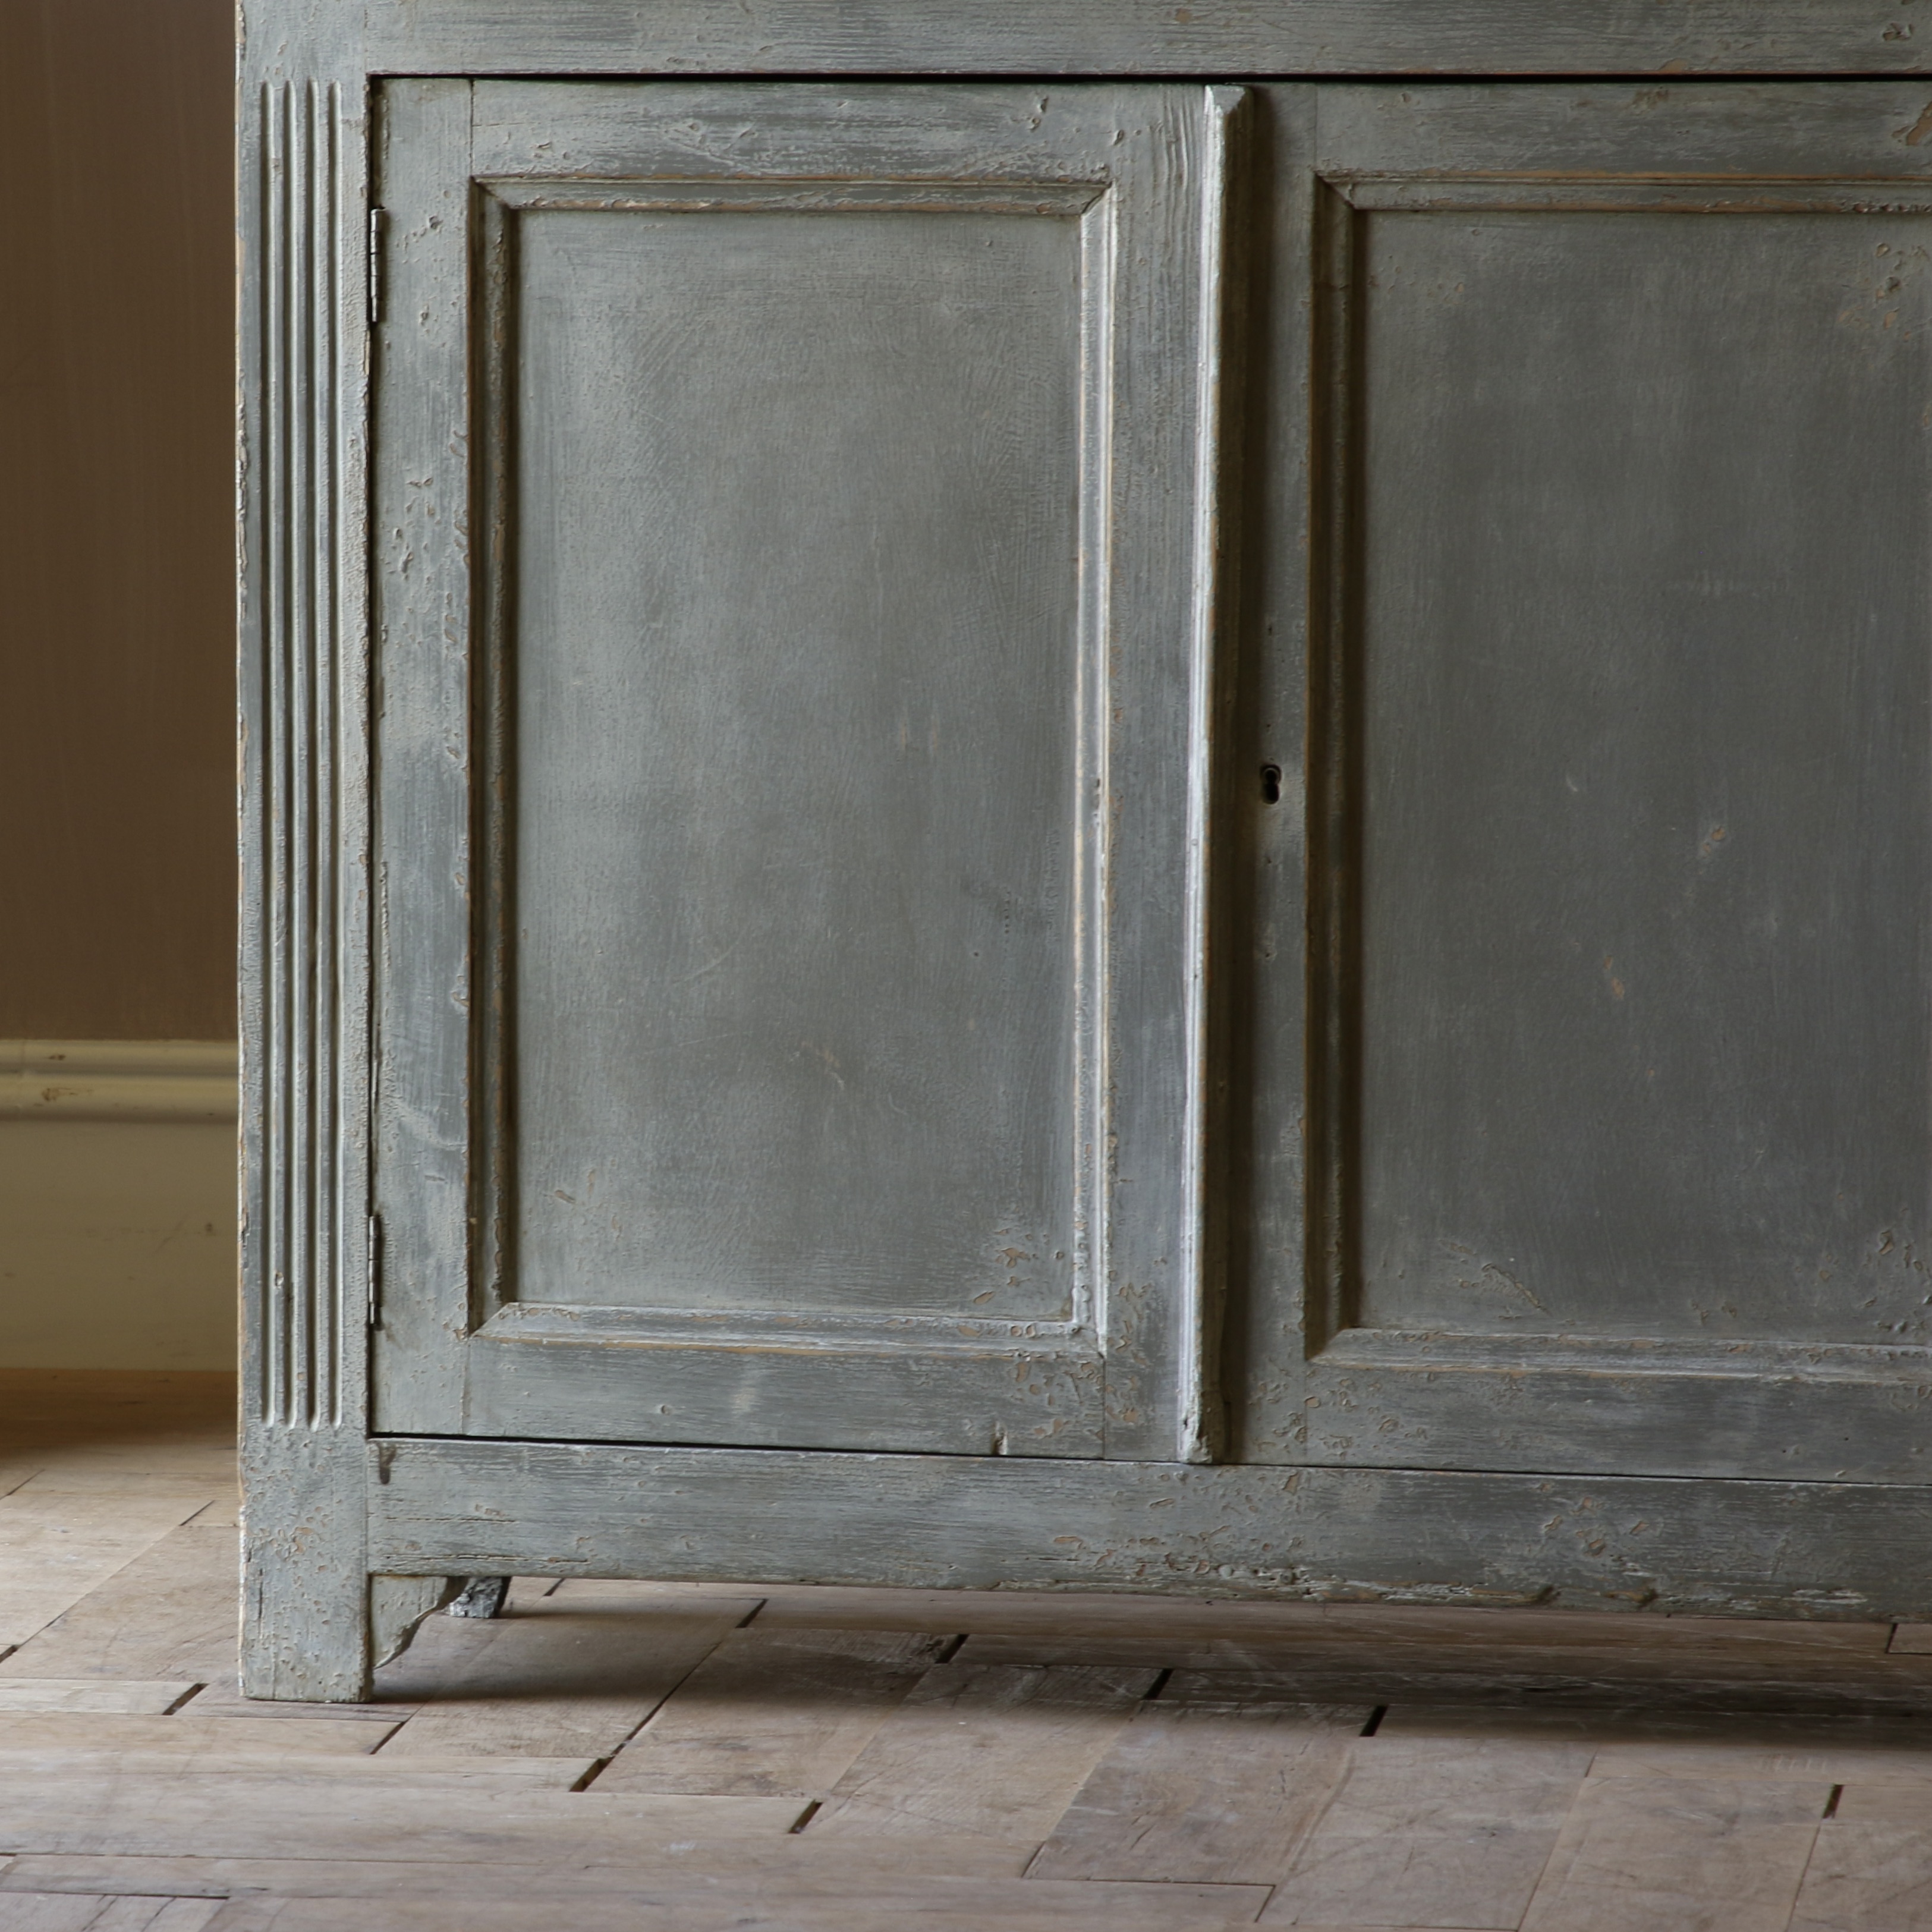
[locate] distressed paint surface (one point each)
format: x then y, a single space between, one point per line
1329 1362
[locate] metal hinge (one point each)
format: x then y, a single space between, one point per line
376 217
375 1270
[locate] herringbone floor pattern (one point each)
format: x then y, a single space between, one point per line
670 1758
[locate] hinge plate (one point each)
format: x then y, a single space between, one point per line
376 217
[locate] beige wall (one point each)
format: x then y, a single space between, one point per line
117 875
117 841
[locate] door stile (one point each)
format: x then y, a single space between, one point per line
1201 1288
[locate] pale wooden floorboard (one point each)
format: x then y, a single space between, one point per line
770 1712
1868 1875
169 1611
997 1752
681 1758
1203 1791
551 1678
72 1911
1450 1830
1703 1856
434 1816
183 1735
56 1547
152 1699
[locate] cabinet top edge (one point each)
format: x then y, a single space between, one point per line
1101 39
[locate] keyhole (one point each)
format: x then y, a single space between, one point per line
1270 784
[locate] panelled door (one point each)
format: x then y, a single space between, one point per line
1615 1119
796 609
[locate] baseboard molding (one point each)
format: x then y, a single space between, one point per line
117 1221
176 1080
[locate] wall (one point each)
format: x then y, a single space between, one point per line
117 875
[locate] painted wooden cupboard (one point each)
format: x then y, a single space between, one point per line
1084 798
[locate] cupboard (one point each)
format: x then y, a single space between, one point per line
1092 801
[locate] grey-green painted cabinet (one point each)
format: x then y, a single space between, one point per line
1058 815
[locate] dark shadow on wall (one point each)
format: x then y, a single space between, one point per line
117 870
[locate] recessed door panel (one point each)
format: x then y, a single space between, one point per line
794 818
1646 782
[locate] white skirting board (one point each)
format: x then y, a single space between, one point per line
117 1205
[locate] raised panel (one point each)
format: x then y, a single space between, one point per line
795 833
1646 775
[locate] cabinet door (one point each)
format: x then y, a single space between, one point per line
1617 1084
795 553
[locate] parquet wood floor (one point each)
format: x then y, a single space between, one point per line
674 1758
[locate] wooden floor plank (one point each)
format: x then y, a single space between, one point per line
1637 1853
149 1698
774 1712
1075 1909
550 1678
697 1858
997 1753
1196 1792
56 1549
308 1774
182 1735
1867 1875
288 1816
878 1883
1763 1730
72 1911
170 1612
1426 1831
1697 1758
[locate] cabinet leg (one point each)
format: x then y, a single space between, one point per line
306 1633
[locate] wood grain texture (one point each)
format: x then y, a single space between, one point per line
659 1910
192 1737
1454 1832
430 1817
551 1680
671 1913
169 1614
1874 1876
691 1863
76 1911
996 1754
730 1515
58 1548
1191 1789
1730 1854
88 1694
773 1712
1260 36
